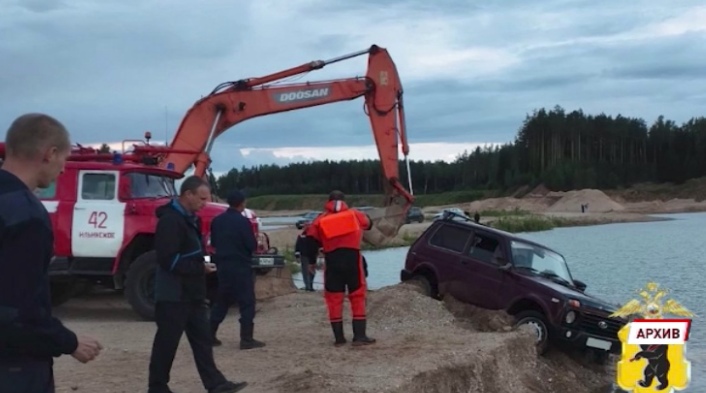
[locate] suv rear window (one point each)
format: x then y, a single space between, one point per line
450 237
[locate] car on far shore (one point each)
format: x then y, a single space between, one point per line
415 214
497 270
454 211
307 218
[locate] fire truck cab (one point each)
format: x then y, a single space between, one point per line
102 208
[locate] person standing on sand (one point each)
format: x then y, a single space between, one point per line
36 149
180 291
306 249
234 242
339 230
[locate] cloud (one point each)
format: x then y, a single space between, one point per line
470 71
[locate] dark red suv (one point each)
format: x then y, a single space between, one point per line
497 270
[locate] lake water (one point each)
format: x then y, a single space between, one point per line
615 260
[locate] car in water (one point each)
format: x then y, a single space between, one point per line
497 270
414 214
307 218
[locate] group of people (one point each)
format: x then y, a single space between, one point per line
36 149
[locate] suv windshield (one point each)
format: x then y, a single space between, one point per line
144 185
540 260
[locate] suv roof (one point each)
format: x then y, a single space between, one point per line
454 218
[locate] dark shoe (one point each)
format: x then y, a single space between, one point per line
229 387
337 328
216 342
359 336
246 337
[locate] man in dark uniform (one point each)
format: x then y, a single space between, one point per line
36 149
306 250
180 291
234 242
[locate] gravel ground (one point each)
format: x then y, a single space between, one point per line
424 346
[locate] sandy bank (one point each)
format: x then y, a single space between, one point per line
423 347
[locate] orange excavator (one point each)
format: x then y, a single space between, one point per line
233 102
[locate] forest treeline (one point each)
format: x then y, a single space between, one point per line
562 150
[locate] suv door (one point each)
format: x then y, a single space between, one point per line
444 251
484 279
99 217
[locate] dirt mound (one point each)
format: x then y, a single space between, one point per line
596 200
404 307
508 203
478 319
423 346
276 282
538 192
428 346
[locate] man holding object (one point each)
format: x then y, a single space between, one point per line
37 147
180 291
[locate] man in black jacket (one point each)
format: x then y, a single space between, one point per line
180 291
234 242
37 147
306 249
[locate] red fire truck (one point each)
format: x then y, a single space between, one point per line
102 208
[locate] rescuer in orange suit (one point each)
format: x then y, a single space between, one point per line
339 230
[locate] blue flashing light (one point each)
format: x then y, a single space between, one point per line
117 158
170 166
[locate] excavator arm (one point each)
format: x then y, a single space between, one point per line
233 102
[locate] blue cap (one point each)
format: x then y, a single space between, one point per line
235 197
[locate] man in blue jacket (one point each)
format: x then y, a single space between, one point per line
234 242
180 291
36 149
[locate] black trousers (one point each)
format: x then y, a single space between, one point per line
173 319
26 377
236 285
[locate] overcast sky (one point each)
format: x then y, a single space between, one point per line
471 70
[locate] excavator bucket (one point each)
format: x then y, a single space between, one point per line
387 222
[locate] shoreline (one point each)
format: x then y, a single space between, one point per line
284 238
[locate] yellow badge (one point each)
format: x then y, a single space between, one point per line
653 358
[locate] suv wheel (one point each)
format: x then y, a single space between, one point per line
537 321
423 283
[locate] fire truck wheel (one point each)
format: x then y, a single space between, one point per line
139 285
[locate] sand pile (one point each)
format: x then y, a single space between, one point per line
538 192
571 201
509 203
424 346
276 282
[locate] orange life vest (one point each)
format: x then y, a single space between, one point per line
339 224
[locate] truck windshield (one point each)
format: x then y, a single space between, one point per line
144 185
540 260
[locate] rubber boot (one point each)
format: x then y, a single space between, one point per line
246 337
216 342
359 336
337 328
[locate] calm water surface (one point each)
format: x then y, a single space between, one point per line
615 260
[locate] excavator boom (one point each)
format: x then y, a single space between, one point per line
233 102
